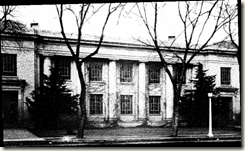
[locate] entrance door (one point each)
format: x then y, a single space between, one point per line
9 108
222 111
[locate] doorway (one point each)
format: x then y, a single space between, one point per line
222 111
10 108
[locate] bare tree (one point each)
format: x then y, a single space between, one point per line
231 28
194 17
80 21
7 24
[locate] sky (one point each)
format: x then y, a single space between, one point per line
169 23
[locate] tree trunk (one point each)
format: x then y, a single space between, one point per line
175 119
177 92
82 118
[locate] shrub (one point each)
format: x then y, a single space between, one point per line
50 101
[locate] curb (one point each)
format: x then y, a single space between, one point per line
127 141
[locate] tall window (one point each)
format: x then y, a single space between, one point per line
96 104
126 104
177 73
95 71
154 105
9 64
65 66
126 72
225 76
154 75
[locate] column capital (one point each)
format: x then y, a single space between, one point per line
113 59
143 61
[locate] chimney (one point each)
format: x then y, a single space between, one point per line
171 39
35 27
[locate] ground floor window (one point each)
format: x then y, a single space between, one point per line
96 104
126 104
154 105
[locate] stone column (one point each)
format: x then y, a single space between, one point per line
36 69
20 106
142 91
163 95
112 90
46 66
169 95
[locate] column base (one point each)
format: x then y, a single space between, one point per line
210 135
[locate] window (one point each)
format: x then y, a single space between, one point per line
65 71
9 64
95 71
177 70
96 104
154 105
225 76
126 73
126 104
65 66
154 75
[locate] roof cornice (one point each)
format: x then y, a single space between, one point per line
53 39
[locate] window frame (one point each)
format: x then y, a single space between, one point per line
98 71
126 72
126 104
95 103
12 62
176 71
60 61
151 71
225 79
152 102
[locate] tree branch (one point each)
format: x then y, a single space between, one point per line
216 28
102 34
60 14
82 18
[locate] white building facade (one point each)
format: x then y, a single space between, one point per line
125 81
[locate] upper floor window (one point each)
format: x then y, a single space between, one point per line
9 64
96 104
154 75
95 71
65 66
177 73
154 105
225 76
126 71
126 104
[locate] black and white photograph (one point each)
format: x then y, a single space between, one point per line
157 74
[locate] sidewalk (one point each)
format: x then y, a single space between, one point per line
19 135
146 133
120 136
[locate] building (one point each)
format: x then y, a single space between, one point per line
125 80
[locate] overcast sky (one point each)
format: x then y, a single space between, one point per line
128 27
